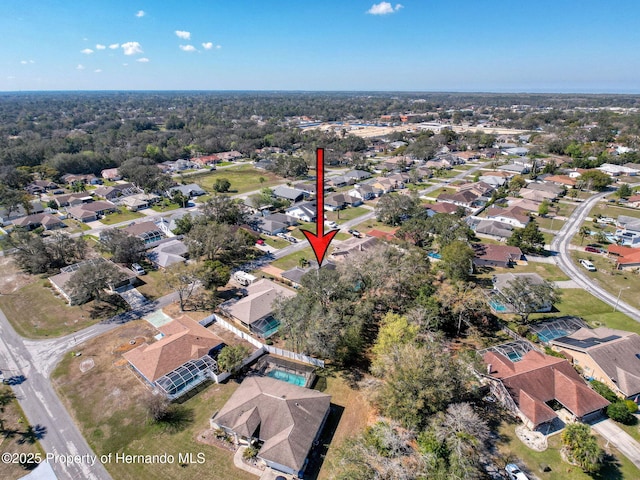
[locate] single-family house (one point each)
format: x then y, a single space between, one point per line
616 170
444 207
7 216
634 201
338 201
59 281
357 175
229 156
44 220
465 198
149 232
515 168
72 199
255 310
339 181
305 212
524 203
490 228
607 355
364 192
295 274
288 193
491 255
168 253
531 386
628 230
206 160
111 174
627 258
504 281
140 201
285 418
536 195
181 360
516 216
351 246
562 180
88 212
190 190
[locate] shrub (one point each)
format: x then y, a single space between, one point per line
631 405
619 412
605 391
249 453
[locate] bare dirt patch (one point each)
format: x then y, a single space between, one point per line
11 278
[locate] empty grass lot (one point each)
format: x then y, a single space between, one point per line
36 312
293 260
347 214
607 210
243 179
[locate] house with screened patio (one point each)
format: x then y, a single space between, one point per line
183 358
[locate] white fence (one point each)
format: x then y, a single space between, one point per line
261 347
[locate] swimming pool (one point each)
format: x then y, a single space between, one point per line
548 334
496 306
288 377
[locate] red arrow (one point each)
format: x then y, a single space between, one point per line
319 241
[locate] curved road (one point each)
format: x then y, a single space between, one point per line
561 245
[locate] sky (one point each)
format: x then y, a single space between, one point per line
581 46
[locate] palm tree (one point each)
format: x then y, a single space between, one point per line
78 186
584 232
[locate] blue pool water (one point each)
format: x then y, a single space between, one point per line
292 378
434 255
496 306
551 334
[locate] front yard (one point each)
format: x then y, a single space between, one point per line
122 215
244 178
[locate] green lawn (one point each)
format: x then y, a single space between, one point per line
445 173
122 215
581 303
36 312
372 223
347 214
549 223
437 192
165 207
275 242
243 178
152 285
608 210
293 259
563 209
512 450
74 226
625 283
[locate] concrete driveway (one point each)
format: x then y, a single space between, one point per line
620 439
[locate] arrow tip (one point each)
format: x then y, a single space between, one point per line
320 244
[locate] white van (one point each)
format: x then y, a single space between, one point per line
588 265
244 278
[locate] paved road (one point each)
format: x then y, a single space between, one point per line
44 409
561 245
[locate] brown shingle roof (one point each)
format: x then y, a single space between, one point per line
186 340
288 418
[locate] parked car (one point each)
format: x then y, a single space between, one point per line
331 224
592 249
291 239
356 233
137 269
588 265
281 235
514 472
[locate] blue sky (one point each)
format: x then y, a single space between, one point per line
416 45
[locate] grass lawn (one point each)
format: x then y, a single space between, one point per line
293 259
74 226
275 242
346 214
581 303
16 441
512 450
625 283
372 223
152 285
243 179
445 173
549 223
35 311
438 191
122 215
547 271
563 209
608 210
108 404
548 237
165 207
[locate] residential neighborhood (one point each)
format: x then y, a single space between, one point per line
480 287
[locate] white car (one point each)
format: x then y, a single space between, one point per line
331 224
514 472
137 269
588 265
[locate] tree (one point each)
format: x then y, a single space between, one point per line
231 357
457 260
582 447
78 186
624 191
529 239
394 330
158 407
123 247
528 296
34 255
214 274
221 185
289 166
180 198
224 209
584 232
418 382
516 183
91 279
603 390
183 278
594 180
217 241
394 208
543 209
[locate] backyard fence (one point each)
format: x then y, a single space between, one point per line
262 347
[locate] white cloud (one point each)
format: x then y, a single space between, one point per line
383 8
100 47
131 48
218 47
113 46
140 14
80 67
125 64
183 35
23 62
87 51
187 48
97 70
207 45
143 60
